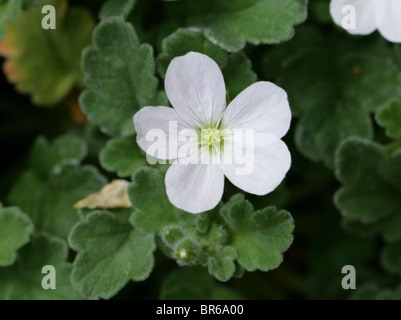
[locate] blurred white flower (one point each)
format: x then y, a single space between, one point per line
365 16
241 142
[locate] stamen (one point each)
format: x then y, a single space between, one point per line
211 138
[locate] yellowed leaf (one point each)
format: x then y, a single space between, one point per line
112 195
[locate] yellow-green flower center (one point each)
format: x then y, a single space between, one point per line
211 137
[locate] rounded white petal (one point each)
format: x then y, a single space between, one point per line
195 87
258 164
263 106
388 19
365 22
157 131
194 188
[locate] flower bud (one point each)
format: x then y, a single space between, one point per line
187 252
171 235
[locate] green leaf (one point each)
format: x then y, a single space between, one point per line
236 68
23 281
55 182
194 283
214 239
49 202
183 41
371 192
221 264
120 75
15 231
9 11
115 8
110 253
232 23
340 75
389 227
171 235
123 156
389 117
318 134
178 229
35 66
153 209
203 222
259 237
49 157
390 257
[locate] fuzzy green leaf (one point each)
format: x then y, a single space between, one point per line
185 40
23 281
235 233
120 75
49 202
389 117
49 157
236 68
232 23
221 264
123 156
259 237
55 182
153 209
181 241
15 231
110 253
340 75
371 192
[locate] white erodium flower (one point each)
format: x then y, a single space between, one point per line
365 16
205 140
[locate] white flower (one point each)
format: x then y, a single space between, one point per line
370 15
195 87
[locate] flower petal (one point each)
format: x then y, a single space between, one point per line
158 126
194 188
388 19
195 87
263 106
364 14
258 165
